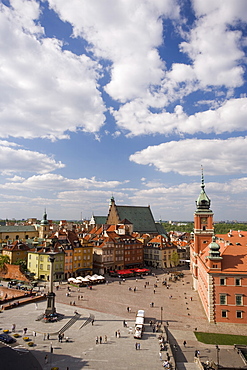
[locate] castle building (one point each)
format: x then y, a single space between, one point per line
219 267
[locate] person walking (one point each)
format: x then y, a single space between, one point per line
46 359
105 339
184 343
13 328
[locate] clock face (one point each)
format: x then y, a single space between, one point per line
204 220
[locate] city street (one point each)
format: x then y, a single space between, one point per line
178 306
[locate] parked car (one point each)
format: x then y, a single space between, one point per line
6 338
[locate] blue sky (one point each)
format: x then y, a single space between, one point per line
124 98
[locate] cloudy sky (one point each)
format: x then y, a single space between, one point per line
126 98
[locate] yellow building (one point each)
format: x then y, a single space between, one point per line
83 258
158 252
38 263
9 234
78 253
16 251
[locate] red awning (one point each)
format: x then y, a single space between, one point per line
140 270
124 272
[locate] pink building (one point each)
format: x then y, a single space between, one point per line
218 267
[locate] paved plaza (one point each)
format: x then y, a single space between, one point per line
107 304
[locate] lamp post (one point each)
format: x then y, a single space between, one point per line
161 311
217 355
50 309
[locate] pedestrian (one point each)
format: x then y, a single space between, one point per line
92 321
139 346
100 339
105 339
46 359
136 345
154 291
48 336
152 304
196 353
51 348
168 356
116 333
128 309
25 331
13 328
160 355
96 340
184 343
36 306
44 336
34 333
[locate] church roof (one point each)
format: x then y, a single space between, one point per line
17 228
141 218
98 220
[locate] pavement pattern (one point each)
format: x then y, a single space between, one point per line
179 306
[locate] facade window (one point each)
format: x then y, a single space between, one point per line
215 266
30 256
48 267
239 300
223 313
223 299
41 267
30 264
238 282
222 281
239 314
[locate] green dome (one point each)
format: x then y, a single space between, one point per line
203 201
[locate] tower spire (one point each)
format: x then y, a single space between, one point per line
203 184
203 201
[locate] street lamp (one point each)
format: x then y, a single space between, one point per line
161 311
217 355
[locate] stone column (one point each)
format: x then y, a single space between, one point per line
50 309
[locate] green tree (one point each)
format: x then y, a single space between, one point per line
174 258
3 261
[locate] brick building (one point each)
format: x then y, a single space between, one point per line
219 267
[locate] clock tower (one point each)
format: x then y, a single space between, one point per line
203 229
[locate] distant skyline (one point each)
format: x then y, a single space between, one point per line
125 98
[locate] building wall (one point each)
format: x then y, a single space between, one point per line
39 264
230 289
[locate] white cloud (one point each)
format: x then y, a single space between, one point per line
16 179
21 160
55 183
219 157
136 118
210 41
46 91
125 32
